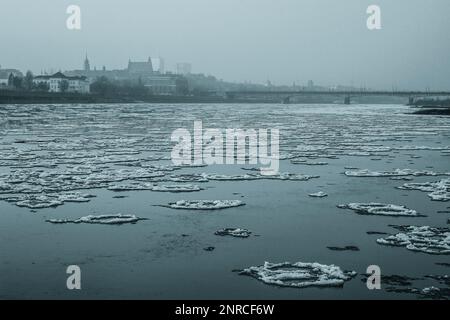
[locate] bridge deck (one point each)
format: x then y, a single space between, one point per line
347 93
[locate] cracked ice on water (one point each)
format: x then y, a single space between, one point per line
53 154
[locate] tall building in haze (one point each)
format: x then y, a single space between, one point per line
184 68
87 65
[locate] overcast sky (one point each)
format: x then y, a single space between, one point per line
240 40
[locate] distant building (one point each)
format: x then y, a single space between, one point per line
54 82
87 65
158 65
184 68
166 84
4 79
140 68
150 73
6 76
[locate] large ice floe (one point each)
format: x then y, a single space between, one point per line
256 176
116 219
140 186
40 201
234 232
395 173
299 274
205 204
380 209
424 239
437 191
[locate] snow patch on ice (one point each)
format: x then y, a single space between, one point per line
255 176
395 173
140 186
380 209
234 232
116 219
299 274
205 204
41 201
438 191
319 194
421 239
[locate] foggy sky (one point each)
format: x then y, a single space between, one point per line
284 41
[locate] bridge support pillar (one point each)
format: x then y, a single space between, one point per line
347 100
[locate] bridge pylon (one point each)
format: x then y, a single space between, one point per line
347 100
287 100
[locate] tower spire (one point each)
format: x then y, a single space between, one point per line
87 66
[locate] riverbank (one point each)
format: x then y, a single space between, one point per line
15 97
23 97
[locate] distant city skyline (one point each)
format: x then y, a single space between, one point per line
285 41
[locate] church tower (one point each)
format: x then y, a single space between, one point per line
87 66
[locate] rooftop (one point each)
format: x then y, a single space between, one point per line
60 75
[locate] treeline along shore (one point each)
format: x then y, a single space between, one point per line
20 97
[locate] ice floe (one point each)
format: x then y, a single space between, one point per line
177 188
205 204
380 209
319 194
433 293
420 148
140 186
401 178
41 201
116 219
255 176
394 173
445 279
420 238
438 191
299 274
198 178
234 232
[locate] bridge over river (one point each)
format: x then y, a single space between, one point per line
287 96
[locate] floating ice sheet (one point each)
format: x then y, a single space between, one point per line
188 178
234 232
116 219
380 209
140 186
40 201
438 191
395 173
319 194
205 204
255 176
299 274
421 239
177 188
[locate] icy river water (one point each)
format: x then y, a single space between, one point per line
358 186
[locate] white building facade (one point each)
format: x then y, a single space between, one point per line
62 83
